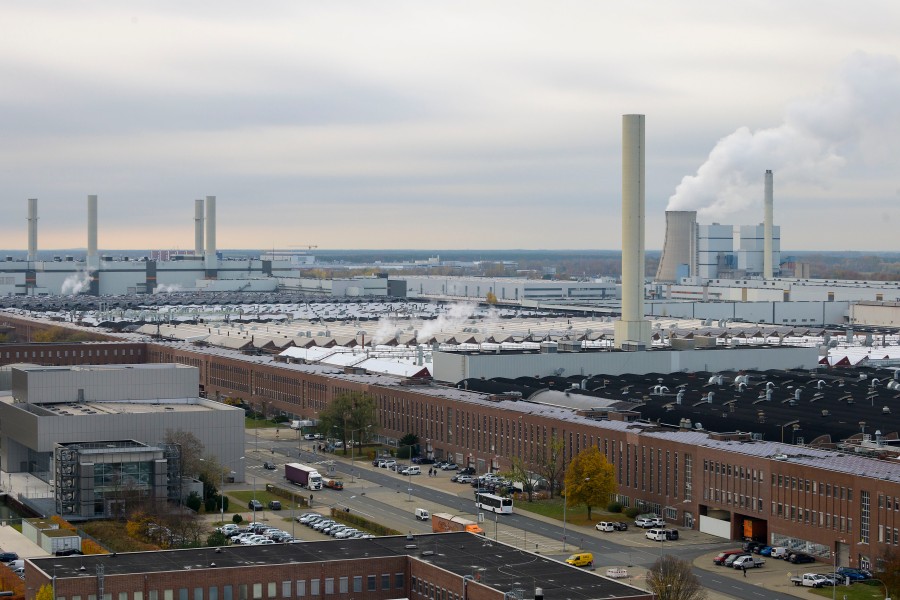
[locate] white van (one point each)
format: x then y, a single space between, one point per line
413 470
605 526
422 514
657 535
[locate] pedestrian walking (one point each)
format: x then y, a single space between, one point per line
744 569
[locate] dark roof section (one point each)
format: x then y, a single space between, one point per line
831 403
499 566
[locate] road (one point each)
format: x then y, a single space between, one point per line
371 496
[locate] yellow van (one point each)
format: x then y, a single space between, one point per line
582 559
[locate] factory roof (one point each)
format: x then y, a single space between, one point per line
499 566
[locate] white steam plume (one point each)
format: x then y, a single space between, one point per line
852 122
454 318
167 289
76 283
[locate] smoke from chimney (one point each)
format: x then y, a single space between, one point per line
846 123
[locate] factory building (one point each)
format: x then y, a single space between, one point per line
507 289
707 252
50 405
445 566
98 274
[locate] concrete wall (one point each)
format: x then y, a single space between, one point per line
220 428
452 367
778 313
138 382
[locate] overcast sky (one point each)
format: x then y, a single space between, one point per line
431 124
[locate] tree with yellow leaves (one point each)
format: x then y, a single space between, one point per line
590 479
44 593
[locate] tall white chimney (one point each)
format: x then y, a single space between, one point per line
93 260
210 234
32 229
198 227
767 228
632 331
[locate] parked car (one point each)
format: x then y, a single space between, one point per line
779 552
800 558
604 526
854 574
748 561
649 522
620 525
461 478
274 505
387 464
730 560
765 551
721 557
467 471
449 467
255 505
6 557
269 466
671 534
752 546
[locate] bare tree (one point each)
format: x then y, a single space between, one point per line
191 451
518 473
550 465
671 578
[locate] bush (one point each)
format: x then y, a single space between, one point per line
217 538
632 512
210 505
614 507
280 419
194 502
237 519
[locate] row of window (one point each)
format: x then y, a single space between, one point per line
740 500
426 589
811 486
65 353
736 471
269 590
811 517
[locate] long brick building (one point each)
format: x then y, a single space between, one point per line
727 484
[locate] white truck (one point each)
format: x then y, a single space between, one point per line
810 580
748 562
303 475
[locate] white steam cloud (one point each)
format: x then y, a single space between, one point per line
167 289
76 283
455 317
852 122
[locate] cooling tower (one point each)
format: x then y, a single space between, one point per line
32 229
767 228
680 247
632 331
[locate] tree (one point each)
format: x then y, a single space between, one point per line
491 298
519 473
590 479
44 593
550 464
887 570
191 452
348 413
216 538
671 578
408 446
194 502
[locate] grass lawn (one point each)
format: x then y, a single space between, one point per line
576 515
264 423
862 590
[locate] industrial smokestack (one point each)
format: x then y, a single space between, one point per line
767 228
680 246
198 227
32 229
632 331
210 235
93 260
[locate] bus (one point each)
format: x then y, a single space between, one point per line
494 503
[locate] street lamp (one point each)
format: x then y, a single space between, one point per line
352 464
886 597
565 505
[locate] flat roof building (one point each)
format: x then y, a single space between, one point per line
58 405
445 566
